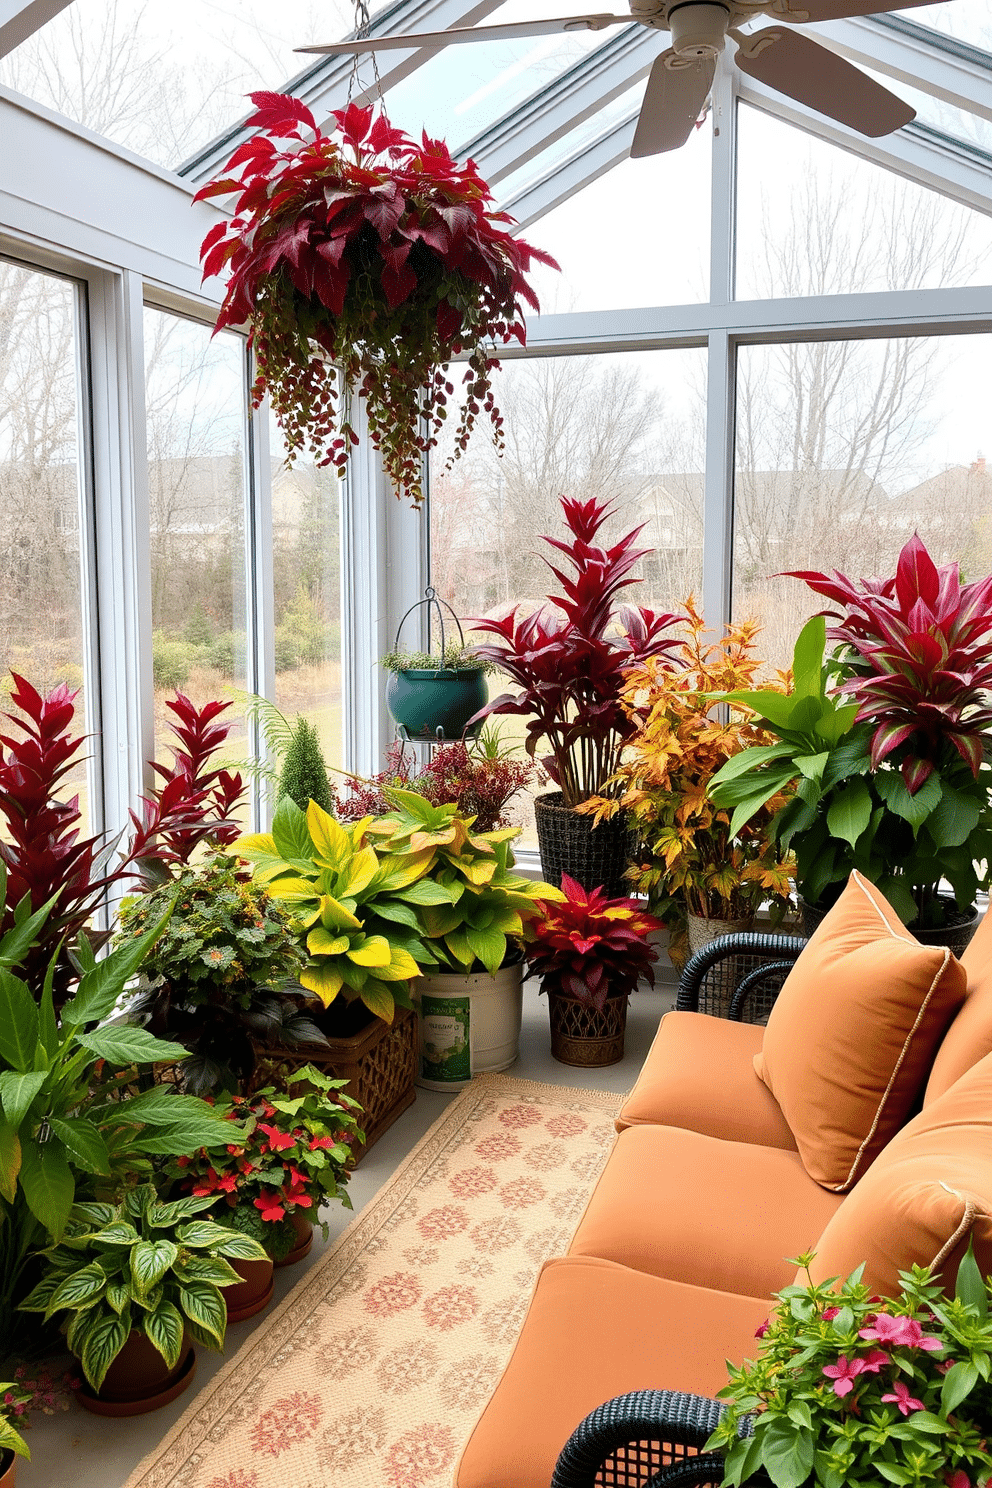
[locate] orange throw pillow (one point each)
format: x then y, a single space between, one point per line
852 1035
928 1193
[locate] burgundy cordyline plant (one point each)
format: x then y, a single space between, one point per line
365 250
591 946
45 856
918 660
569 661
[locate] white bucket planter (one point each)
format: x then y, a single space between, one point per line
468 1024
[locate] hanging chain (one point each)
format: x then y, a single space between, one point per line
363 25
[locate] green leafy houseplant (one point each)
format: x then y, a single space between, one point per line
13 1403
454 658
70 1124
368 251
853 1389
855 808
140 1265
353 909
221 974
477 909
293 1158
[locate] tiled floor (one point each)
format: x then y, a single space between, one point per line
78 1450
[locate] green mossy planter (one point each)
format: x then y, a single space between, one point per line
432 704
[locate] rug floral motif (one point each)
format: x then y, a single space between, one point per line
373 1371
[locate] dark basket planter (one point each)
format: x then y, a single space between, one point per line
583 1037
570 843
379 1061
430 704
961 925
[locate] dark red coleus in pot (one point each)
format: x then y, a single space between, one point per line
366 250
591 946
918 660
568 660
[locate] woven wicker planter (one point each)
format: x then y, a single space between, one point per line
571 844
379 1061
584 1037
724 977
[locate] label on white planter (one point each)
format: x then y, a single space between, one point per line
446 1052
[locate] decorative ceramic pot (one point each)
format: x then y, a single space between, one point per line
468 1024
303 1229
582 1036
248 1296
570 843
139 1380
8 1469
429 704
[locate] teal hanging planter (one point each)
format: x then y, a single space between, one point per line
432 695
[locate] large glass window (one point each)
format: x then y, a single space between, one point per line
41 631
195 401
626 429
306 537
812 219
844 449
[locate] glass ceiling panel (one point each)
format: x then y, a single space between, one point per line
947 117
544 163
464 89
968 20
164 80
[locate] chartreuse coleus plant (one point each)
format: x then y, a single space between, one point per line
481 907
850 1388
887 739
140 1265
68 1124
354 908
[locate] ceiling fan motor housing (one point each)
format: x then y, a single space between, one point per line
699 28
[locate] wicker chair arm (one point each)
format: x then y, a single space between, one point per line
665 1416
779 949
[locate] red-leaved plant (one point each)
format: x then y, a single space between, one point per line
480 784
918 661
591 946
45 857
367 250
568 666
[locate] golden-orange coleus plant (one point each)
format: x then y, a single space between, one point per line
688 861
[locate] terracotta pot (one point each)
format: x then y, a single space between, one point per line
583 1037
139 1380
251 1294
8 1470
303 1230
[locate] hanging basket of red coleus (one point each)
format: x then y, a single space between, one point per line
365 250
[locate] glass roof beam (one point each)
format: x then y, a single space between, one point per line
323 85
549 115
572 174
958 171
20 19
962 77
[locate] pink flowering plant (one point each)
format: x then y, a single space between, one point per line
852 1388
294 1157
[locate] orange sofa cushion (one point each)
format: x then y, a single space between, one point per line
748 1209
969 1037
699 1074
921 1199
851 1037
595 1330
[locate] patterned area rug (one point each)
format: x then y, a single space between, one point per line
373 1371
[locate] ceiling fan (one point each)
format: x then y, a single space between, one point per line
681 77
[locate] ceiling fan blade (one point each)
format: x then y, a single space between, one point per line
673 101
839 10
800 68
508 32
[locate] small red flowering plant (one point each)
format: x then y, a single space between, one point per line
852 1388
590 946
365 249
294 1157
